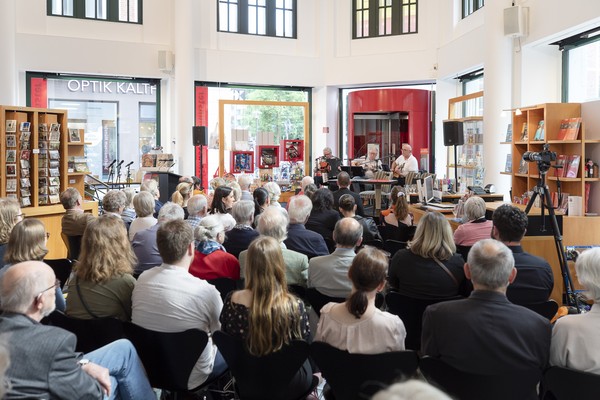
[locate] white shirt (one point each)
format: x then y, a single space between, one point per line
575 342
141 223
407 165
169 299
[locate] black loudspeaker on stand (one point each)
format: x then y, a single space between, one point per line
454 136
200 138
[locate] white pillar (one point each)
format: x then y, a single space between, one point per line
8 73
497 95
183 89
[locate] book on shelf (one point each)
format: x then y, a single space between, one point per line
586 201
508 166
573 166
509 133
561 161
569 129
524 134
523 167
539 132
563 203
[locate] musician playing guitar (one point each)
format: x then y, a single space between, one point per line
404 164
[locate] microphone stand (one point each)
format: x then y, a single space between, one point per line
111 173
129 176
118 175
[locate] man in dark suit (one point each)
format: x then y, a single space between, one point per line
343 180
486 333
43 361
535 279
299 238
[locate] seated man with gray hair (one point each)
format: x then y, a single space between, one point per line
144 242
273 223
245 181
197 208
486 333
299 238
329 274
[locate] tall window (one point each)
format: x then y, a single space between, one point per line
105 10
275 18
392 17
470 6
581 67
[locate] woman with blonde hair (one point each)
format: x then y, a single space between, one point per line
27 242
429 267
181 195
350 325
265 315
102 281
10 215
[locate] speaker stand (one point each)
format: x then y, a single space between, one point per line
201 169
455 171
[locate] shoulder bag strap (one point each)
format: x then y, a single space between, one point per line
441 264
83 302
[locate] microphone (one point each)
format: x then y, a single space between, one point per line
112 163
129 164
171 166
120 163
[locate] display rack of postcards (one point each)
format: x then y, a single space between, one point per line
49 163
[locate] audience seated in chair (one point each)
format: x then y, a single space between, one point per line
168 299
75 220
429 268
299 238
477 227
343 180
143 204
273 223
197 209
323 217
243 315
329 274
151 186
27 242
44 363
238 239
114 202
128 214
211 261
412 389
102 281
182 194
144 242
347 326
486 334
575 337
347 207
535 280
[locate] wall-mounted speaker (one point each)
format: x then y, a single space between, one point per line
200 135
453 133
165 60
515 21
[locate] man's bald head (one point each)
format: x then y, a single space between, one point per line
21 285
347 233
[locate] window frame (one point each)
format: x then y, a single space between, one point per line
112 11
270 27
568 44
396 15
468 7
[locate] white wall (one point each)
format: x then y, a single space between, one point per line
324 56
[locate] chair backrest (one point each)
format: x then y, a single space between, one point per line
375 243
62 268
402 232
392 246
74 247
547 309
380 175
317 299
565 384
463 251
168 357
359 376
410 178
518 384
264 377
223 285
410 310
91 333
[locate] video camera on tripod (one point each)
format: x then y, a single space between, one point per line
543 158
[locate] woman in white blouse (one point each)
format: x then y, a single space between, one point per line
575 338
352 325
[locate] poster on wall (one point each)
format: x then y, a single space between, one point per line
293 150
268 157
242 161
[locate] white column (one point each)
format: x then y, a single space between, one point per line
8 73
497 95
183 89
